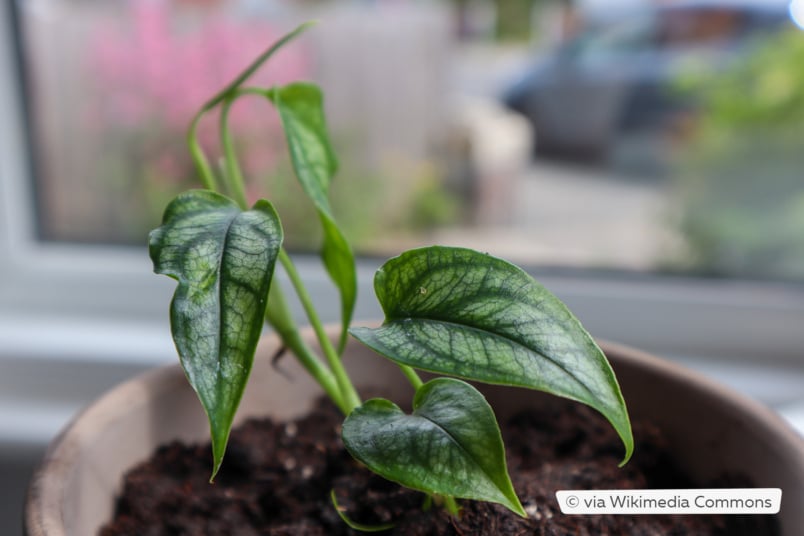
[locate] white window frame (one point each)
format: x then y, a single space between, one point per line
64 305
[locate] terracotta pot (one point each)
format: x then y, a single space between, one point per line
711 430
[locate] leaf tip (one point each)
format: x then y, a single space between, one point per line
219 439
215 468
629 451
512 503
623 429
308 24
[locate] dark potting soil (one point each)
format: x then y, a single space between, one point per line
276 479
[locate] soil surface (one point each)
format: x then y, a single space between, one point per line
276 479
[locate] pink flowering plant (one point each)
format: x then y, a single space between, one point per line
455 312
155 72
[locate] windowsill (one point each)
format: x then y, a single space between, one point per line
55 366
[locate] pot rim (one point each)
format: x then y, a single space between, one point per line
680 373
43 516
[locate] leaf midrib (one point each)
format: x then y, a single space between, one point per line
501 336
304 159
461 447
219 340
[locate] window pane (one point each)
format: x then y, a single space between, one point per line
115 85
662 139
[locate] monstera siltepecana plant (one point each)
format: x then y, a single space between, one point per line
454 314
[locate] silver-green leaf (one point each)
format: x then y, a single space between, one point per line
467 314
301 110
450 445
223 259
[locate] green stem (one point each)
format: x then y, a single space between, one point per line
257 91
277 314
451 505
233 174
448 502
196 153
198 156
347 390
237 82
412 377
427 504
360 527
317 369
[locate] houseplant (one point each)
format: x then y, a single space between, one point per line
448 310
474 316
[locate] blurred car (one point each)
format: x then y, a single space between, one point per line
619 78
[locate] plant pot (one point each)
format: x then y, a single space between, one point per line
711 430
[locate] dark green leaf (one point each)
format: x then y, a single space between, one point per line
223 259
301 109
464 313
340 264
450 445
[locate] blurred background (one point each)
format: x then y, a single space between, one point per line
643 159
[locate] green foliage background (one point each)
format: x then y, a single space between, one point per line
740 188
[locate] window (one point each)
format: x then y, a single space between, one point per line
664 223
590 198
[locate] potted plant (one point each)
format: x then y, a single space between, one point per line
453 312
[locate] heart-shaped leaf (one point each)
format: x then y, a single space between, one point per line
301 109
223 259
460 312
450 445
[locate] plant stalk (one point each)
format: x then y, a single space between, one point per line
277 314
347 390
198 156
451 505
237 82
412 376
234 175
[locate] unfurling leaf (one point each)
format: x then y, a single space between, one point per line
463 313
450 445
223 259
